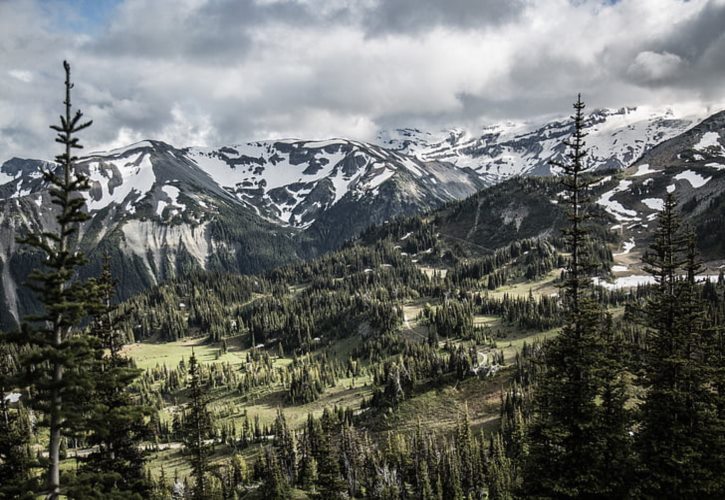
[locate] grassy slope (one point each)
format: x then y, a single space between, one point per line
436 407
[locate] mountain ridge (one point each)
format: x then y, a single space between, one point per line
162 211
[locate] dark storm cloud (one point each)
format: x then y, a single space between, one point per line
697 37
691 55
406 16
219 31
215 31
701 45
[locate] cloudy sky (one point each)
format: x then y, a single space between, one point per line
210 72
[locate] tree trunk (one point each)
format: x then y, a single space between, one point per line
55 434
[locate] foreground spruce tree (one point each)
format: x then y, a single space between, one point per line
57 354
116 426
680 440
569 434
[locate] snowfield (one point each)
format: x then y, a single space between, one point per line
136 176
627 247
614 207
644 279
615 138
695 179
644 170
654 203
708 140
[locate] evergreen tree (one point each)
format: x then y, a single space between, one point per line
15 435
330 481
500 471
614 421
58 354
239 470
679 423
16 457
568 437
285 448
274 486
424 490
117 422
197 428
106 325
466 452
308 473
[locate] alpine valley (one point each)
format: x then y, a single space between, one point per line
362 250
163 212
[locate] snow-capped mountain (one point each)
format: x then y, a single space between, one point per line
692 166
161 210
293 182
615 138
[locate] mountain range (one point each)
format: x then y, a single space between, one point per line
162 211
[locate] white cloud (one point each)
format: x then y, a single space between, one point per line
653 67
189 129
21 75
203 72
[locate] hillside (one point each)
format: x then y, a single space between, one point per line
692 166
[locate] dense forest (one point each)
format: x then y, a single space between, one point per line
412 363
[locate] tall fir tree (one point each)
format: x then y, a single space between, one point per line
568 436
679 428
330 481
16 459
197 429
499 479
117 421
615 422
57 354
274 485
285 448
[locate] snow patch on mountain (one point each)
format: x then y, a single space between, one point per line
654 203
293 182
125 149
5 177
627 247
113 180
614 207
172 193
634 281
261 164
376 181
644 170
600 182
695 179
708 140
625 282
